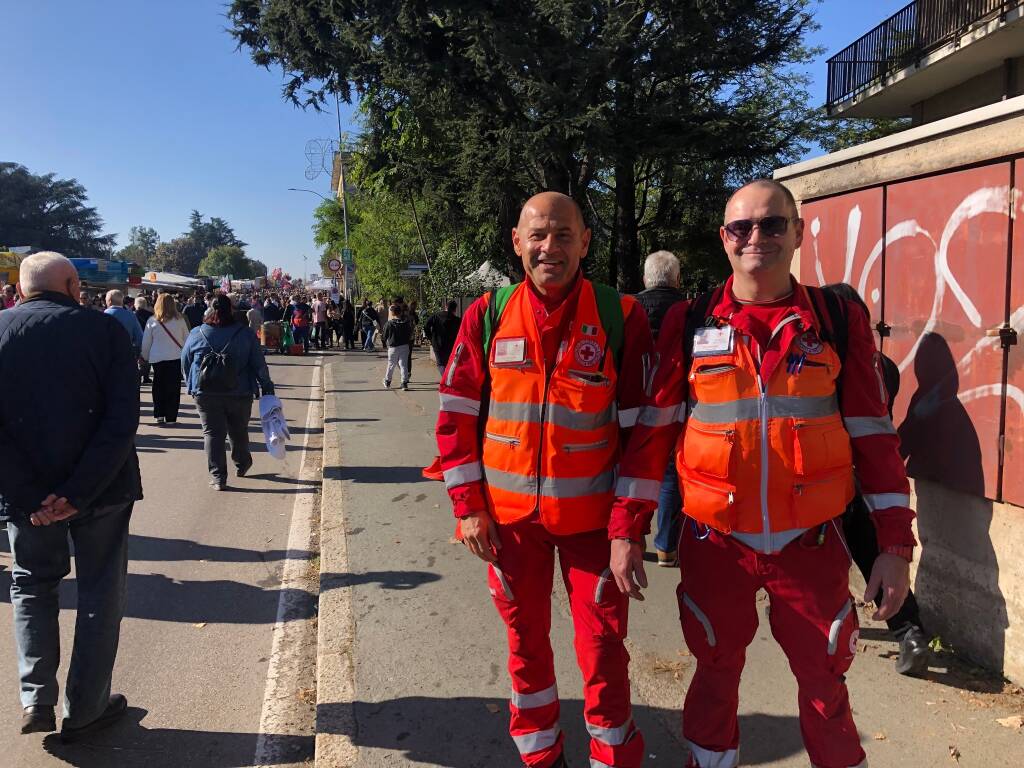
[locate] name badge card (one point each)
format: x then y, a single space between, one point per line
712 341
509 351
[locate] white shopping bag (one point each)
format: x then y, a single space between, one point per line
275 427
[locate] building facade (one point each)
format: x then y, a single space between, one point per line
928 225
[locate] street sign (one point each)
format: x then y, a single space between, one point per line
334 265
346 255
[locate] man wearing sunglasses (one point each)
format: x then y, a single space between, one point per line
772 421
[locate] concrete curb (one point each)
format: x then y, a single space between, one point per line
335 665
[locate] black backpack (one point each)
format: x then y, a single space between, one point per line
216 372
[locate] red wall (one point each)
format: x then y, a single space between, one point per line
939 278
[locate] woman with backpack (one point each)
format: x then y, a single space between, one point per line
162 342
225 370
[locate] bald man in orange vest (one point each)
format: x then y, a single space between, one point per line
545 379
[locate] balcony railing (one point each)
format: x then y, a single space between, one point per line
903 39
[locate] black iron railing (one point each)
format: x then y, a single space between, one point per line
903 39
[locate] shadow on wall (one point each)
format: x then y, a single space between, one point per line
957 580
468 732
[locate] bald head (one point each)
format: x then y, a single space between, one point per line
553 202
775 188
47 271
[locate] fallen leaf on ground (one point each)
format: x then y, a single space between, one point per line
1017 721
493 708
880 736
954 753
200 625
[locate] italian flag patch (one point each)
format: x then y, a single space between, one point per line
588 330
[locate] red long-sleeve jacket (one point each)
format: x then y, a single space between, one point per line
879 470
458 432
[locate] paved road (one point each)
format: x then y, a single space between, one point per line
204 592
430 682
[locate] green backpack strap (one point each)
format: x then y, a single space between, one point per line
496 302
609 308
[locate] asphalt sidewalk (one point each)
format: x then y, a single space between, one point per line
411 668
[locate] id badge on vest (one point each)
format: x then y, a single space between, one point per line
509 351
713 341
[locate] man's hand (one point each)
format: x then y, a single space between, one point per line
891 573
52 510
628 562
480 535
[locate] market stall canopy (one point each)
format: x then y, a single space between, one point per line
489 276
171 281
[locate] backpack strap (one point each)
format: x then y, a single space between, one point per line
831 314
697 313
497 300
612 309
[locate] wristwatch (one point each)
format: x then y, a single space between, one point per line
907 553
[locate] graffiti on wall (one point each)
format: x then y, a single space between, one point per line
939 276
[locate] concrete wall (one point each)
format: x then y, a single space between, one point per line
969 576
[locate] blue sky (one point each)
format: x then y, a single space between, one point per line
151 108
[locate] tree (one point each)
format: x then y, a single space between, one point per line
226 260
182 254
142 245
849 132
620 105
47 213
212 233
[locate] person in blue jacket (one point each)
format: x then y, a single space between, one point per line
225 402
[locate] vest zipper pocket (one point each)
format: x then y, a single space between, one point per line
593 379
798 488
576 447
512 442
728 434
720 491
715 369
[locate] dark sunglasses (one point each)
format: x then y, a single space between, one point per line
770 226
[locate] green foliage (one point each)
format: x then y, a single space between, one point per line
182 255
48 213
210 234
230 260
382 236
844 133
645 111
142 245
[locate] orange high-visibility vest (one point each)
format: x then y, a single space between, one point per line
551 440
765 457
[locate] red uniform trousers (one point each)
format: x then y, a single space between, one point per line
521 585
812 617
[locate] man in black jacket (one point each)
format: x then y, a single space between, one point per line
661 281
442 330
67 467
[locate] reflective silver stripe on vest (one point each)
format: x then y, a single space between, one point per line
778 406
557 414
533 700
613 737
638 488
458 404
705 758
865 426
464 473
554 487
877 501
702 618
651 416
837 624
536 741
628 417
595 763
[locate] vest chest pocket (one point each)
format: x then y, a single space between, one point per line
820 447
708 450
